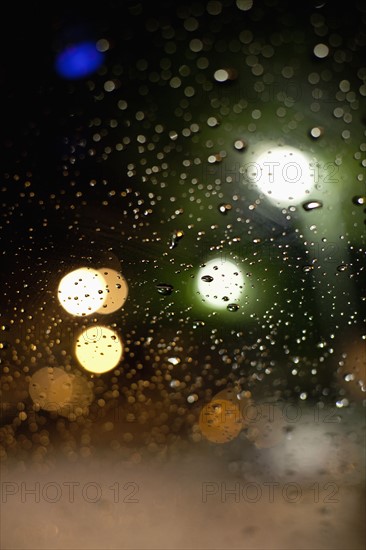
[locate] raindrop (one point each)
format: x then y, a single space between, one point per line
316 132
342 267
221 75
164 289
358 200
321 51
312 205
207 278
224 208
240 144
244 5
232 307
342 403
175 237
307 268
212 121
198 323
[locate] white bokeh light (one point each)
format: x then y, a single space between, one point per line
283 173
82 291
220 283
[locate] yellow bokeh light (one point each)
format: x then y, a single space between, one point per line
50 388
239 398
220 420
82 291
116 290
98 349
53 389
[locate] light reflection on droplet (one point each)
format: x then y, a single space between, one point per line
240 145
312 205
232 307
164 289
358 200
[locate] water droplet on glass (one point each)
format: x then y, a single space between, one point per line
207 278
312 205
316 132
232 307
307 268
358 200
212 121
175 238
224 208
321 50
198 323
164 289
342 267
240 144
221 75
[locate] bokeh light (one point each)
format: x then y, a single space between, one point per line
284 174
50 388
79 60
98 349
220 283
116 289
82 291
220 421
53 389
239 398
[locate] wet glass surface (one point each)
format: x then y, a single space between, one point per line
183 359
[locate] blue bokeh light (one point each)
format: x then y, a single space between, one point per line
79 60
